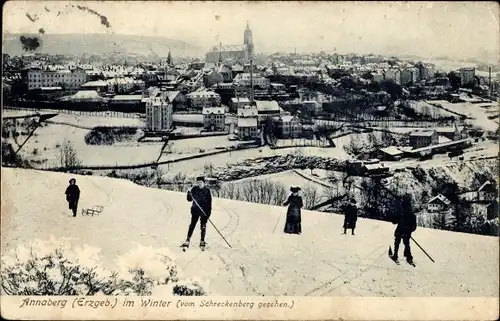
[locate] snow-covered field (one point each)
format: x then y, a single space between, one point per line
424 108
475 111
94 121
320 262
194 145
52 135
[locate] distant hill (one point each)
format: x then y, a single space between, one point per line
76 44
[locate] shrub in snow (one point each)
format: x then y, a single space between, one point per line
57 268
189 287
419 174
109 135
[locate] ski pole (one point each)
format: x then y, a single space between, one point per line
194 200
279 217
422 249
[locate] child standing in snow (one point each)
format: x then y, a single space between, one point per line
72 196
350 216
293 223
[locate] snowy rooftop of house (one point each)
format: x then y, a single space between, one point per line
288 118
426 133
97 83
374 166
485 185
391 150
203 94
171 95
247 122
127 97
240 100
439 145
84 95
50 88
446 130
440 199
246 76
247 111
443 139
264 105
213 110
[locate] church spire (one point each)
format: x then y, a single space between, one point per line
169 59
220 53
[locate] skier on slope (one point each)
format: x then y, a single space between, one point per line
72 196
201 209
407 224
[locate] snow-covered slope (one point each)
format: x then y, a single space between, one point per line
321 261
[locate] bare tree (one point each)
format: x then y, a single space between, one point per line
255 191
67 155
208 169
179 182
310 196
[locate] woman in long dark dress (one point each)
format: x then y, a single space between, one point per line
293 214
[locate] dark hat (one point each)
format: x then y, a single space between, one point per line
294 189
200 178
74 180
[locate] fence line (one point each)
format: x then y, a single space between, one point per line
104 113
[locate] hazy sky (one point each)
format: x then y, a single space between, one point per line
438 28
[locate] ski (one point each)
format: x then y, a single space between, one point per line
392 257
184 246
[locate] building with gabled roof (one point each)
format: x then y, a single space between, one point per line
214 118
438 203
420 139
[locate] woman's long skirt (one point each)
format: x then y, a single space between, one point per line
293 221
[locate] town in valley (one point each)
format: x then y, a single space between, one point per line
365 127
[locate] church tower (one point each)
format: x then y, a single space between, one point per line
248 41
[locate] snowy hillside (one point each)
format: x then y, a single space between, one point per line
320 262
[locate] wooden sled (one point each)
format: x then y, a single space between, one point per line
96 209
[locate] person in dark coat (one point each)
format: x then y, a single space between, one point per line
350 216
293 224
201 209
72 195
406 224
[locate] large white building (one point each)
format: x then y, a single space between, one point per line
245 80
70 79
202 99
158 114
233 52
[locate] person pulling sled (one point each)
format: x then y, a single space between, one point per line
406 224
201 209
293 224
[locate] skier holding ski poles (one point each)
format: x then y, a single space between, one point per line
407 224
201 209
